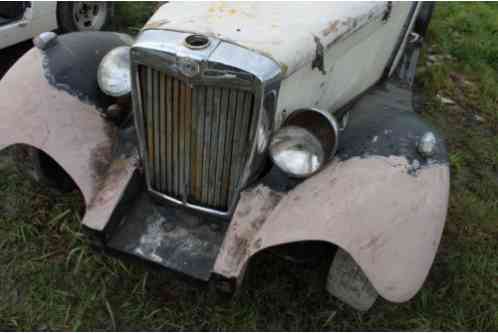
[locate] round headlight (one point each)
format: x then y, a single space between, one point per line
306 141
296 151
113 75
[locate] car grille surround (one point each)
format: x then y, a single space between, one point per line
197 136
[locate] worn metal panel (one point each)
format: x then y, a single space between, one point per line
285 33
379 200
68 129
170 237
351 66
392 232
339 49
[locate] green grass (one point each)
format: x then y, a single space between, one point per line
51 279
131 16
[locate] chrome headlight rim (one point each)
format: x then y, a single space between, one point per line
114 72
318 123
328 119
288 152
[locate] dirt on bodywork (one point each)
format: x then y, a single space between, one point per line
66 124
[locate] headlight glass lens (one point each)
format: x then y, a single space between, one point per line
114 76
296 151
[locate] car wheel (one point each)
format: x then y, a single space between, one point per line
41 168
83 16
347 282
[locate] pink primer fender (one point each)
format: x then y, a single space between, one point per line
389 221
70 129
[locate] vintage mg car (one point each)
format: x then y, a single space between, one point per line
226 129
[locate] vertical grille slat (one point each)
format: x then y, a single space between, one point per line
174 139
181 141
197 170
162 128
221 158
234 168
228 148
149 120
213 149
206 143
188 134
157 129
197 137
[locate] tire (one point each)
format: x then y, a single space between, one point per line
424 18
347 281
41 168
83 16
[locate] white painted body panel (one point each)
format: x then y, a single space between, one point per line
282 30
357 42
352 65
40 17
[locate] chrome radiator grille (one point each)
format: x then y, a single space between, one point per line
197 137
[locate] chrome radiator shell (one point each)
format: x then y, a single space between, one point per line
200 134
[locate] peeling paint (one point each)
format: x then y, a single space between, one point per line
171 237
372 221
156 24
384 205
331 28
318 61
69 130
260 26
71 64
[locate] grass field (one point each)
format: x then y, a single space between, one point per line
51 279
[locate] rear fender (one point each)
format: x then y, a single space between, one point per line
379 200
50 100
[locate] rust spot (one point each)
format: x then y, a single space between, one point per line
257 244
350 23
318 62
238 250
113 178
332 27
270 201
375 243
285 68
387 13
101 157
244 211
156 24
253 211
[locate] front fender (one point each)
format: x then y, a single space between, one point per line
379 200
50 100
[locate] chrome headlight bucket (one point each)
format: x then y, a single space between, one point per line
307 140
114 72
